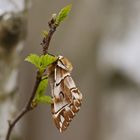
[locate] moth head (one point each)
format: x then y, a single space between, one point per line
64 63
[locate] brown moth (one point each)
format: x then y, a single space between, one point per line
65 95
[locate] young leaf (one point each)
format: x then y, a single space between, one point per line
40 97
63 14
42 87
44 99
45 33
46 60
41 62
33 59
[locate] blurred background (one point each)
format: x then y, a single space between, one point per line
101 39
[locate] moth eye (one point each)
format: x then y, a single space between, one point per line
61 94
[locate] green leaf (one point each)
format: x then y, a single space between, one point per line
42 87
33 59
41 62
44 99
63 14
40 94
46 60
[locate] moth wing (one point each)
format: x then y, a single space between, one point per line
66 99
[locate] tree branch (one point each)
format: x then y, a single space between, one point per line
30 104
46 40
26 109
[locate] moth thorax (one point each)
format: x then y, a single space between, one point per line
66 63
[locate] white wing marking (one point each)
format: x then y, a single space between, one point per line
69 82
59 105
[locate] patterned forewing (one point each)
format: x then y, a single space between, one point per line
66 98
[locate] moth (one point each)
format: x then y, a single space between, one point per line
65 95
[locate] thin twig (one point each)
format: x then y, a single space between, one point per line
46 41
30 104
26 109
